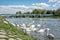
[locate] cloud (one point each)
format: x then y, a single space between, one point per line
9 9
15 6
58 1
33 6
56 5
41 4
53 0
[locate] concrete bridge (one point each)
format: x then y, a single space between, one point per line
24 15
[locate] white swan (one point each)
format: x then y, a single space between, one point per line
38 25
23 26
50 36
32 26
41 30
34 29
17 25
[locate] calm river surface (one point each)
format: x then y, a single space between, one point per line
52 23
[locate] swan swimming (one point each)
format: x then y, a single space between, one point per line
50 36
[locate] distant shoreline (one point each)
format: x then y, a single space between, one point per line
40 17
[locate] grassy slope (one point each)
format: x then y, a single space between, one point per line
11 29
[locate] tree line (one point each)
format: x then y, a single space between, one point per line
41 11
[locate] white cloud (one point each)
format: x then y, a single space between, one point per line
41 4
13 8
53 0
56 5
58 1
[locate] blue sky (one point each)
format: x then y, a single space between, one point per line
20 2
11 6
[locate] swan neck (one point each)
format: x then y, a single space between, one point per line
47 32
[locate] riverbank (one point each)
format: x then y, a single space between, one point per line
11 32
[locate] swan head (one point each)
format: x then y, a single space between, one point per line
47 29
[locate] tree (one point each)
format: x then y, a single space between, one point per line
26 12
37 11
49 12
18 12
54 12
58 11
44 12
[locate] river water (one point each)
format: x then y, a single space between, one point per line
52 23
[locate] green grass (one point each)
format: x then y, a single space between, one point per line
9 28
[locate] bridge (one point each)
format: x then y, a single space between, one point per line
24 15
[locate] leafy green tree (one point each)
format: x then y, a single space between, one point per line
26 12
18 12
49 12
54 12
43 11
37 11
58 11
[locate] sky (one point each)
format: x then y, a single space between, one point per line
12 6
